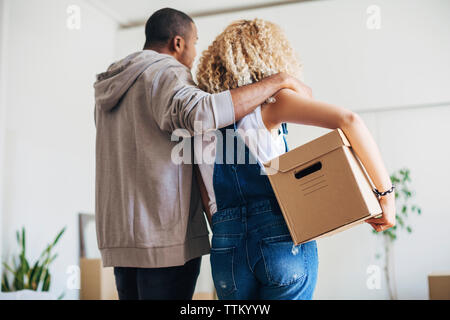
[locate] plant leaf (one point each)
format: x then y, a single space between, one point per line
7 267
59 236
23 240
400 221
46 251
53 258
38 277
18 280
32 277
46 284
5 283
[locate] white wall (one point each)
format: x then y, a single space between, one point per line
404 62
3 17
373 72
50 134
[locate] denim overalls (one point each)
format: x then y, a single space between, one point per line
252 253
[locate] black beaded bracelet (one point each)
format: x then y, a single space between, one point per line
380 194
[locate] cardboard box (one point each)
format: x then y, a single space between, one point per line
204 296
97 283
439 286
322 188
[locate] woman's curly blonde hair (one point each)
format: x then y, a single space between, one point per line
246 52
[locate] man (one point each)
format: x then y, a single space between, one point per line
149 218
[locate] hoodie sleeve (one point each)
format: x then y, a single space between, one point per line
178 104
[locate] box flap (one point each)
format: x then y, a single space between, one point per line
309 151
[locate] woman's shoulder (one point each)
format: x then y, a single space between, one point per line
272 113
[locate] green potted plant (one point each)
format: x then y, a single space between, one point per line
23 280
403 198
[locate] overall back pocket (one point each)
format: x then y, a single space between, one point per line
284 264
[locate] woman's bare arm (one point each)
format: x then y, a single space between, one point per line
247 98
293 107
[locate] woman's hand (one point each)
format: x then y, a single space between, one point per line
387 220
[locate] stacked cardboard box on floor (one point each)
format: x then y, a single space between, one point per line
439 286
322 188
97 283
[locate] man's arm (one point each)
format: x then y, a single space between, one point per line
179 104
247 98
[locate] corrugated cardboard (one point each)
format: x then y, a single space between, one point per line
97 283
322 188
439 286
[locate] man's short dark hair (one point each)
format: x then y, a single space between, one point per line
164 25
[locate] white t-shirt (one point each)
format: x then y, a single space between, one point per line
264 144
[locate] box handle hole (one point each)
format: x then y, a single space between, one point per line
308 170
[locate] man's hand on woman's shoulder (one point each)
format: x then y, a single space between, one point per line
295 84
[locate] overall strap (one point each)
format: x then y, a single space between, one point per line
285 132
284 127
238 183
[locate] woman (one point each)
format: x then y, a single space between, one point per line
252 254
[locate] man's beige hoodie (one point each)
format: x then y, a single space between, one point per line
148 209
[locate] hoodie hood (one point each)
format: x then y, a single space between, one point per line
112 85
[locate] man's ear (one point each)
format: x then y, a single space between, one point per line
178 44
